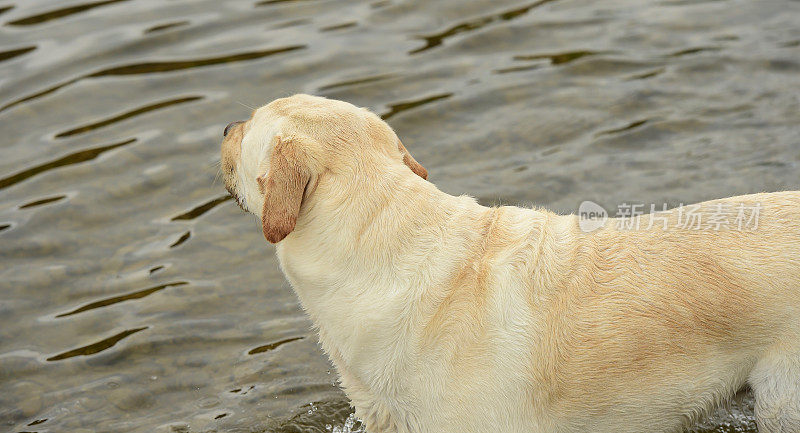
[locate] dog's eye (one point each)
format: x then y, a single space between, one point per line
231 125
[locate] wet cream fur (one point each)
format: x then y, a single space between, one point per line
445 316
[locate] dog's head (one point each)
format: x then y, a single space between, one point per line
272 161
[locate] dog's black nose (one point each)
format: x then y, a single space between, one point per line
231 125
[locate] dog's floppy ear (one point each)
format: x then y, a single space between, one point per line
411 162
283 186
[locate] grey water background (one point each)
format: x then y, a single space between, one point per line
135 296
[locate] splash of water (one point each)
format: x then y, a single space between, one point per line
351 425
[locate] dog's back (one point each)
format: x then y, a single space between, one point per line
665 320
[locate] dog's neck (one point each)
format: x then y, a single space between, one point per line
372 250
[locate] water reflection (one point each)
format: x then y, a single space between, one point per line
127 115
121 298
434 40
59 13
99 346
72 158
10 54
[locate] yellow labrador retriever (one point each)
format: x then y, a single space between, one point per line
445 316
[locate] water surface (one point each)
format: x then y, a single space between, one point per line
136 297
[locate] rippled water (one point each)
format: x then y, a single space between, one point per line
134 296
